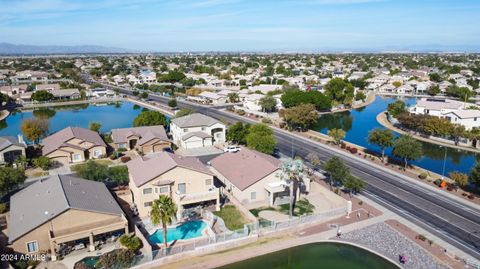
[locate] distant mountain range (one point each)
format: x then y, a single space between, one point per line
13 49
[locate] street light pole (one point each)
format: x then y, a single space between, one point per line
444 162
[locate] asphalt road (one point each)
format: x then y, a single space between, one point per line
451 220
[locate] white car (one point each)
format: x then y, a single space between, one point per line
231 149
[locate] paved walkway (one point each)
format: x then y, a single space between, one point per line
382 119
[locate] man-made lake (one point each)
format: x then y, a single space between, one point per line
359 122
318 256
113 115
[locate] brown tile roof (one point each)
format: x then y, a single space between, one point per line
145 168
246 167
61 138
146 133
194 120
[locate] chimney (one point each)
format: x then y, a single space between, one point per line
20 139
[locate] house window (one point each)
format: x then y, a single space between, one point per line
122 145
97 153
32 246
253 195
147 191
182 188
77 157
185 130
163 189
147 204
203 128
475 119
208 181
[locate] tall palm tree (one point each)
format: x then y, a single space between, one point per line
163 210
233 97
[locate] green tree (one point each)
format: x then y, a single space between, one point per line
35 128
340 91
435 77
295 97
118 174
237 133
172 103
337 135
10 179
396 108
433 90
95 126
42 96
383 138
360 96
172 76
302 116
150 118
268 103
260 138
183 112
397 84
354 184
42 162
233 97
91 170
460 179
163 211
475 175
131 242
314 159
144 95
336 170
407 148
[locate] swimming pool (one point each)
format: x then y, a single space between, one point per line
187 230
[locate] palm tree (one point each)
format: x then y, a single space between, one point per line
233 97
163 210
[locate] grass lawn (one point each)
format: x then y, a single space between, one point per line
232 217
302 207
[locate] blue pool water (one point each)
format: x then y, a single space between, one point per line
187 230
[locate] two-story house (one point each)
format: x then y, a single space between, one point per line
197 130
73 144
185 179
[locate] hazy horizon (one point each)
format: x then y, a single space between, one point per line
248 26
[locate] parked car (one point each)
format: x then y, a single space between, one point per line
231 149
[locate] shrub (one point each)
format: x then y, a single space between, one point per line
125 159
266 120
343 145
240 112
464 194
119 258
42 162
471 196
353 150
81 265
423 175
421 237
3 208
131 242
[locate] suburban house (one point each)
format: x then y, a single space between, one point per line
145 139
30 76
47 87
11 149
185 179
455 111
63 210
73 144
66 94
13 91
252 102
197 130
252 177
100 92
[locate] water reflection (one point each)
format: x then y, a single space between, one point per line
359 122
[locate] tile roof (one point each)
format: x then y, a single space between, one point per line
48 198
246 167
7 141
194 120
61 137
146 133
145 168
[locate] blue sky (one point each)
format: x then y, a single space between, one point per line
248 25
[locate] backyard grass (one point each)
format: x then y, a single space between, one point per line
302 207
232 217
